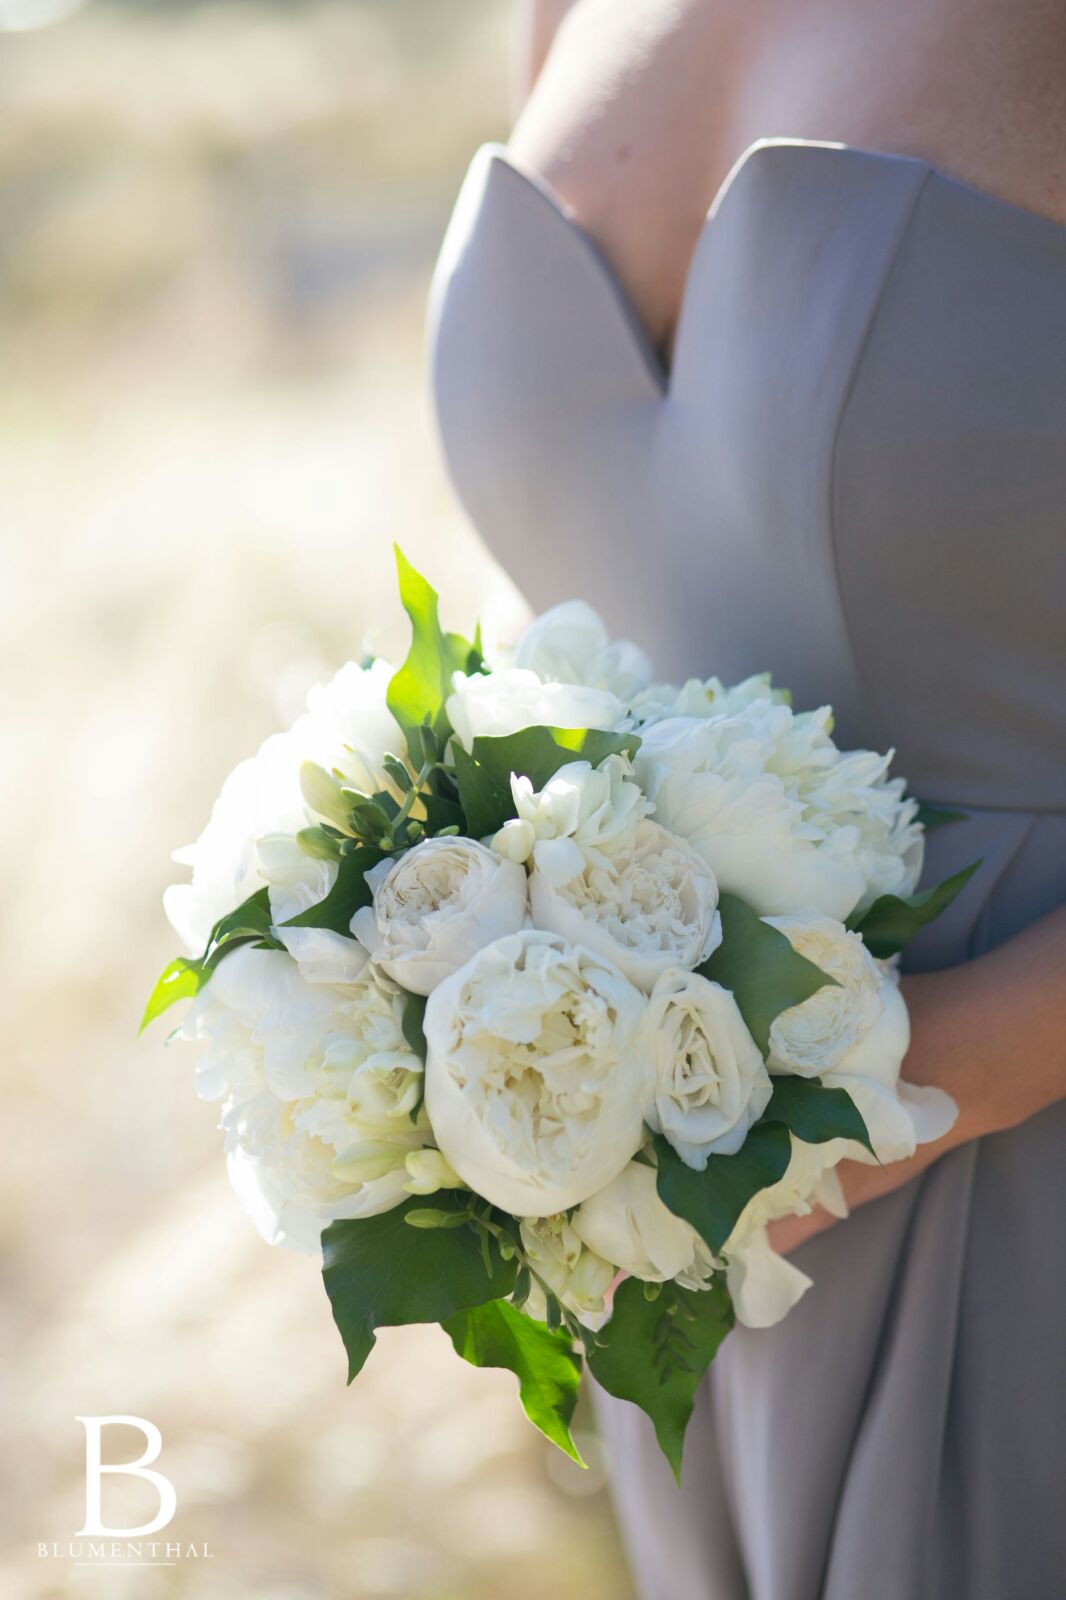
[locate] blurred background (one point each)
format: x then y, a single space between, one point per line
217 224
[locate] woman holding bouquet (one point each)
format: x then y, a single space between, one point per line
756 335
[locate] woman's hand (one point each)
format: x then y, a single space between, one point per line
993 1034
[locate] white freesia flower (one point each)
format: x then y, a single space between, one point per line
536 1084
596 807
854 1036
783 819
436 907
319 1087
427 1171
651 905
569 644
627 1224
763 1285
577 1277
347 727
711 1082
514 698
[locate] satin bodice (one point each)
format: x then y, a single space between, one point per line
854 475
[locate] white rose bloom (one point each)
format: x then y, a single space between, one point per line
436 907
596 807
651 905
514 698
854 1036
627 1224
577 1276
319 1087
711 1082
569 644
784 820
536 1084
763 1285
348 727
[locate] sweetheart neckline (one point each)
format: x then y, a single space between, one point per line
659 372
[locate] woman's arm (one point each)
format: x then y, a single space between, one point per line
536 27
993 1034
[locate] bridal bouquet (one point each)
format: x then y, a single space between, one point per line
534 991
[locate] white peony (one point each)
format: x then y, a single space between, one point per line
437 906
569 644
514 698
318 1085
595 807
651 904
536 1083
628 1224
711 1082
347 727
854 1036
763 1285
784 820
577 1277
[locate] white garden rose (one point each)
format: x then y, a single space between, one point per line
628 1224
347 727
514 698
436 907
319 1088
764 1286
783 819
577 1277
652 903
536 1083
711 1082
854 1036
597 808
569 644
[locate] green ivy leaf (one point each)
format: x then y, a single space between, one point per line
761 968
420 687
349 893
380 1273
816 1113
248 923
712 1200
656 1353
486 804
933 817
893 920
548 1370
538 753
181 979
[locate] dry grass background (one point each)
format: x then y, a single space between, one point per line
217 226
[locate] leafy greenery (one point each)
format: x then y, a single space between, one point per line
893 920
655 1352
181 979
379 1272
484 777
712 1200
933 817
420 687
761 968
548 1370
815 1113
350 892
486 804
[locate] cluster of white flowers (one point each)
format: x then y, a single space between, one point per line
566 1018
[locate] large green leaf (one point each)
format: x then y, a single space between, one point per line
537 753
656 1353
893 920
350 892
712 1200
815 1113
761 968
248 923
418 690
379 1272
548 1370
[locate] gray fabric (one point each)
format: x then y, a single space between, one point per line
855 475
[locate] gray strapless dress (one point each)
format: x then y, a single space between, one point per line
854 475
